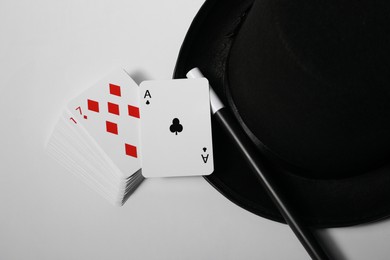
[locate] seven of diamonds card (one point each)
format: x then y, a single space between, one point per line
109 113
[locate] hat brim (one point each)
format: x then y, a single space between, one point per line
321 202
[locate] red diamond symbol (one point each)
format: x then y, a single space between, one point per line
133 111
131 150
111 127
93 105
115 90
113 108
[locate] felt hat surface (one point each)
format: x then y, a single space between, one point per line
308 81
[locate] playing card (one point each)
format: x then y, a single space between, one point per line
108 114
97 137
69 150
176 128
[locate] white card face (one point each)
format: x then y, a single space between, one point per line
176 128
109 113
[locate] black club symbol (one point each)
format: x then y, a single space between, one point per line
176 126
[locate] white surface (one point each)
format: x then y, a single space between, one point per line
49 50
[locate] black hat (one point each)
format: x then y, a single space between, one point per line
309 83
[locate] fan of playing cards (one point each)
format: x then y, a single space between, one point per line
116 133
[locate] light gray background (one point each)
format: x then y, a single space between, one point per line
49 51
